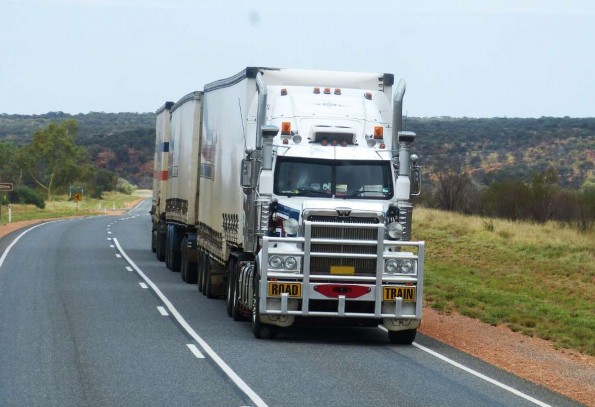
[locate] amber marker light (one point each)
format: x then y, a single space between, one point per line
286 128
378 132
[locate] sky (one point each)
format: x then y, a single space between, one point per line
459 58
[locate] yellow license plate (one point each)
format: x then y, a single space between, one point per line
390 293
276 288
343 270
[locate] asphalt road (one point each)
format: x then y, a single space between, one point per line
89 317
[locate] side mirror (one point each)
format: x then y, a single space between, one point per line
247 170
415 176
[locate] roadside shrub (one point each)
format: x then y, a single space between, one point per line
125 187
25 195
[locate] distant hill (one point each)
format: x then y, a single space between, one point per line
489 149
121 142
499 148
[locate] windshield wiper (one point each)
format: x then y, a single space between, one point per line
356 193
304 191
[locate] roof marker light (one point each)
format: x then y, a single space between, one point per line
316 91
284 92
327 91
337 91
368 95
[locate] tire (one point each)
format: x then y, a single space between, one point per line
208 286
173 246
187 268
184 261
154 241
161 240
236 309
199 272
230 284
402 337
260 330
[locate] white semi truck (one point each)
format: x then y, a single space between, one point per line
295 200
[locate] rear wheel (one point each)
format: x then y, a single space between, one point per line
236 309
230 283
402 337
154 241
260 330
160 243
187 268
208 285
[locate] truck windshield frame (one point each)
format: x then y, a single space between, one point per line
341 179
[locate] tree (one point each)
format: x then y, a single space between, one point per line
53 160
455 190
8 172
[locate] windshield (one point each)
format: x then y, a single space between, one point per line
332 178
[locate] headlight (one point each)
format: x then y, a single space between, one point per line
395 230
391 266
276 262
290 263
406 267
290 226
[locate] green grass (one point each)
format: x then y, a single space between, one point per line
61 207
536 279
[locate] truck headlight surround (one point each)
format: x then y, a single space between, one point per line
406 267
290 226
395 230
290 263
276 262
391 266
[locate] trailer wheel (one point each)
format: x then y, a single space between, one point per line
199 272
402 337
260 330
187 268
160 250
154 241
208 286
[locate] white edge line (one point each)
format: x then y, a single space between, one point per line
195 351
208 350
477 374
5 254
162 311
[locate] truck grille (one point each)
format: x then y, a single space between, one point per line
322 265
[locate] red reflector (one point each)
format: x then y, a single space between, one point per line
327 91
335 290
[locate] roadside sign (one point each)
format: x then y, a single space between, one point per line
77 196
5 187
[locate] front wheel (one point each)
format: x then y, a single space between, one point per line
260 330
402 337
